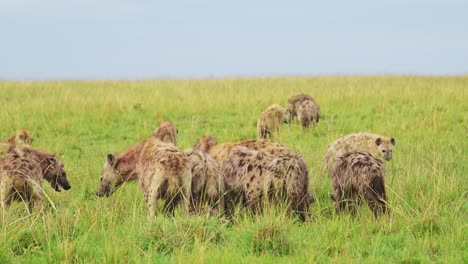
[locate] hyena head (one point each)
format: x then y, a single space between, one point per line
205 143
385 147
56 175
24 137
111 179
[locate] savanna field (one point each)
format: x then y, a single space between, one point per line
82 121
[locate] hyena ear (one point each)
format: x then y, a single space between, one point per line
22 136
52 160
392 140
111 159
378 141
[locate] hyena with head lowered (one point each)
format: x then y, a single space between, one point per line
21 172
308 112
254 177
359 176
271 121
161 169
295 101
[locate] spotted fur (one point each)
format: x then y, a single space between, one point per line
207 182
21 172
359 176
308 112
379 146
271 121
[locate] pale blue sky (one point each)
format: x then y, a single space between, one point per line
124 39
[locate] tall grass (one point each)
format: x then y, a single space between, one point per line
82 121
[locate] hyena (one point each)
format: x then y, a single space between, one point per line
358 176
295 101
288 179
220 151
207 181
166 132
378 145
253 178
21 172
21 137
308 112
164 172
119 169
271 121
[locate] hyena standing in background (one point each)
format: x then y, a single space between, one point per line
308 112
359 176
21 172
164 171
295 101
271 121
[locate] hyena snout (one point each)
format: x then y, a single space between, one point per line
104 191
61 182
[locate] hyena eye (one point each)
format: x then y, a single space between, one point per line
101 179
383 150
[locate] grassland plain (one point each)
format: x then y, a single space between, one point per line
81 121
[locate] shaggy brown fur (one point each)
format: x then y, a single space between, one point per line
21 172
21 137
295 101
271 121
308 112
205 143
119 169
358 176
220 151
252 176
289 181
164 172
207 181
166 132
244 173
379 146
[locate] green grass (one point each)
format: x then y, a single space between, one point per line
82 121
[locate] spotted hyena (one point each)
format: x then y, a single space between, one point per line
21 172
308 112
253 178
166 132
359 176
119 169
379 146
164 172
288 179
271 121
207 181
220 151
21 137
295 101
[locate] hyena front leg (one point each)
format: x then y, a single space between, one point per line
152 196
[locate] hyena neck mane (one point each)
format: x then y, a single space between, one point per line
127 162
42 157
